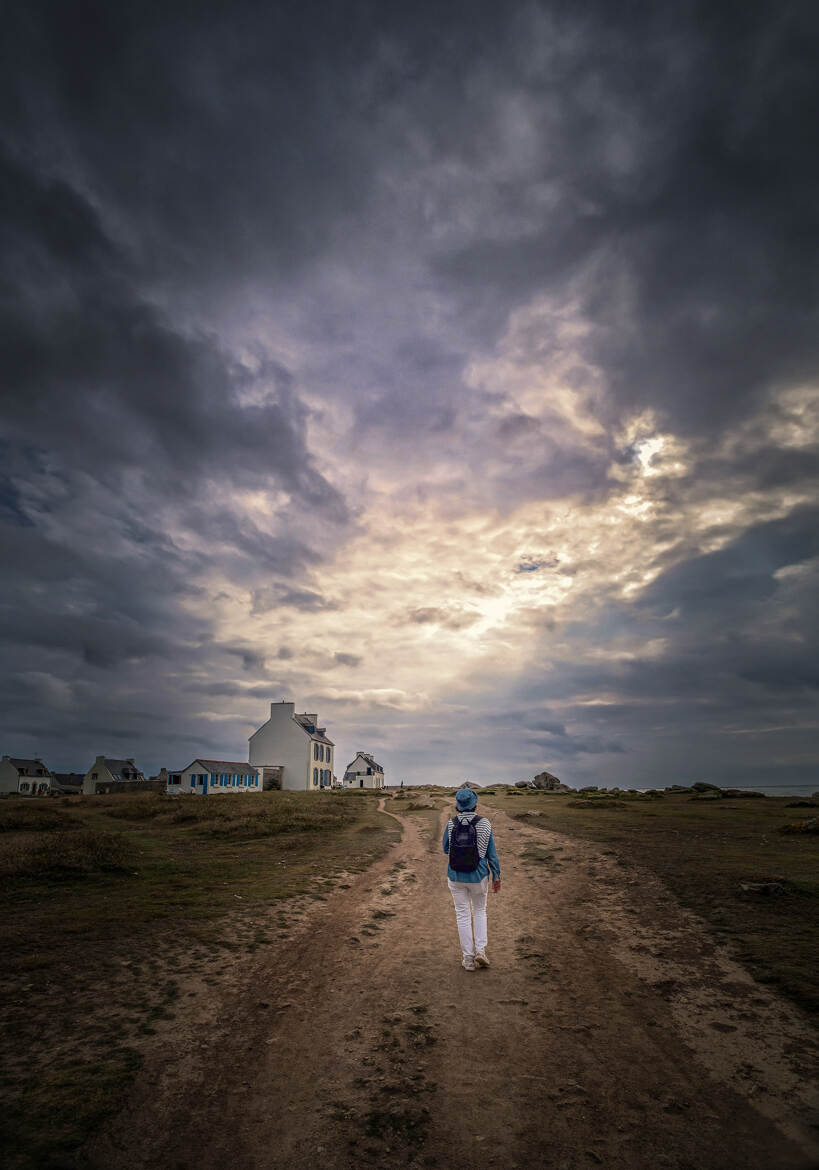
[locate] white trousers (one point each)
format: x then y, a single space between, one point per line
470 913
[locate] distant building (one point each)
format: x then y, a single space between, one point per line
363 772
28 777
67 783
297 746
105 773
204 776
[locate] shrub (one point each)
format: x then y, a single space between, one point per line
604 803
143 807
244 821
811 825
76 854
32 817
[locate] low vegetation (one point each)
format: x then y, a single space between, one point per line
720 856
66 855
110 903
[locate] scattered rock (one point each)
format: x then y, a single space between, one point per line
811 825
802 804
773 889
547 782
701 786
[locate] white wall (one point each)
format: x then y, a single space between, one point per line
281 741
8 776
197 768
360 766
89 786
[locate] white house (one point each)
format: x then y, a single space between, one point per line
297 745
28 777
204 776
364 772
109 771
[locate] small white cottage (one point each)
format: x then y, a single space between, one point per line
364 772
28 777
208 776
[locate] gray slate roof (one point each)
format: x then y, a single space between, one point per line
318 735
366 756
29 767
117 767
223 765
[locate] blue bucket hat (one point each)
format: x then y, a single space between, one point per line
465 799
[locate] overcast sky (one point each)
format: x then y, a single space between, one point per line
449 369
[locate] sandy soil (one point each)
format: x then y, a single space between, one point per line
610 1031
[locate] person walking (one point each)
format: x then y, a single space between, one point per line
470 846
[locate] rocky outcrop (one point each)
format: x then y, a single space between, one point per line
547 782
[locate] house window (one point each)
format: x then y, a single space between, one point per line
174 779
24 786
93 775
315 775
361 782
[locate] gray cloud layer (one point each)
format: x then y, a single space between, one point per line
256 260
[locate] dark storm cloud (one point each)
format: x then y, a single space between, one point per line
93 370
279 596
122 431
687 194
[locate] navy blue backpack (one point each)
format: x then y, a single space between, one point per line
463 845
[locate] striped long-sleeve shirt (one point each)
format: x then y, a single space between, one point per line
487 852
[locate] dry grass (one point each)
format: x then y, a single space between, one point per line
704 850
142 886
27 814
66 855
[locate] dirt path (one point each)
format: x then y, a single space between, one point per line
609 1031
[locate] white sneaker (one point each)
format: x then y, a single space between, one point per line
468 963
481 960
